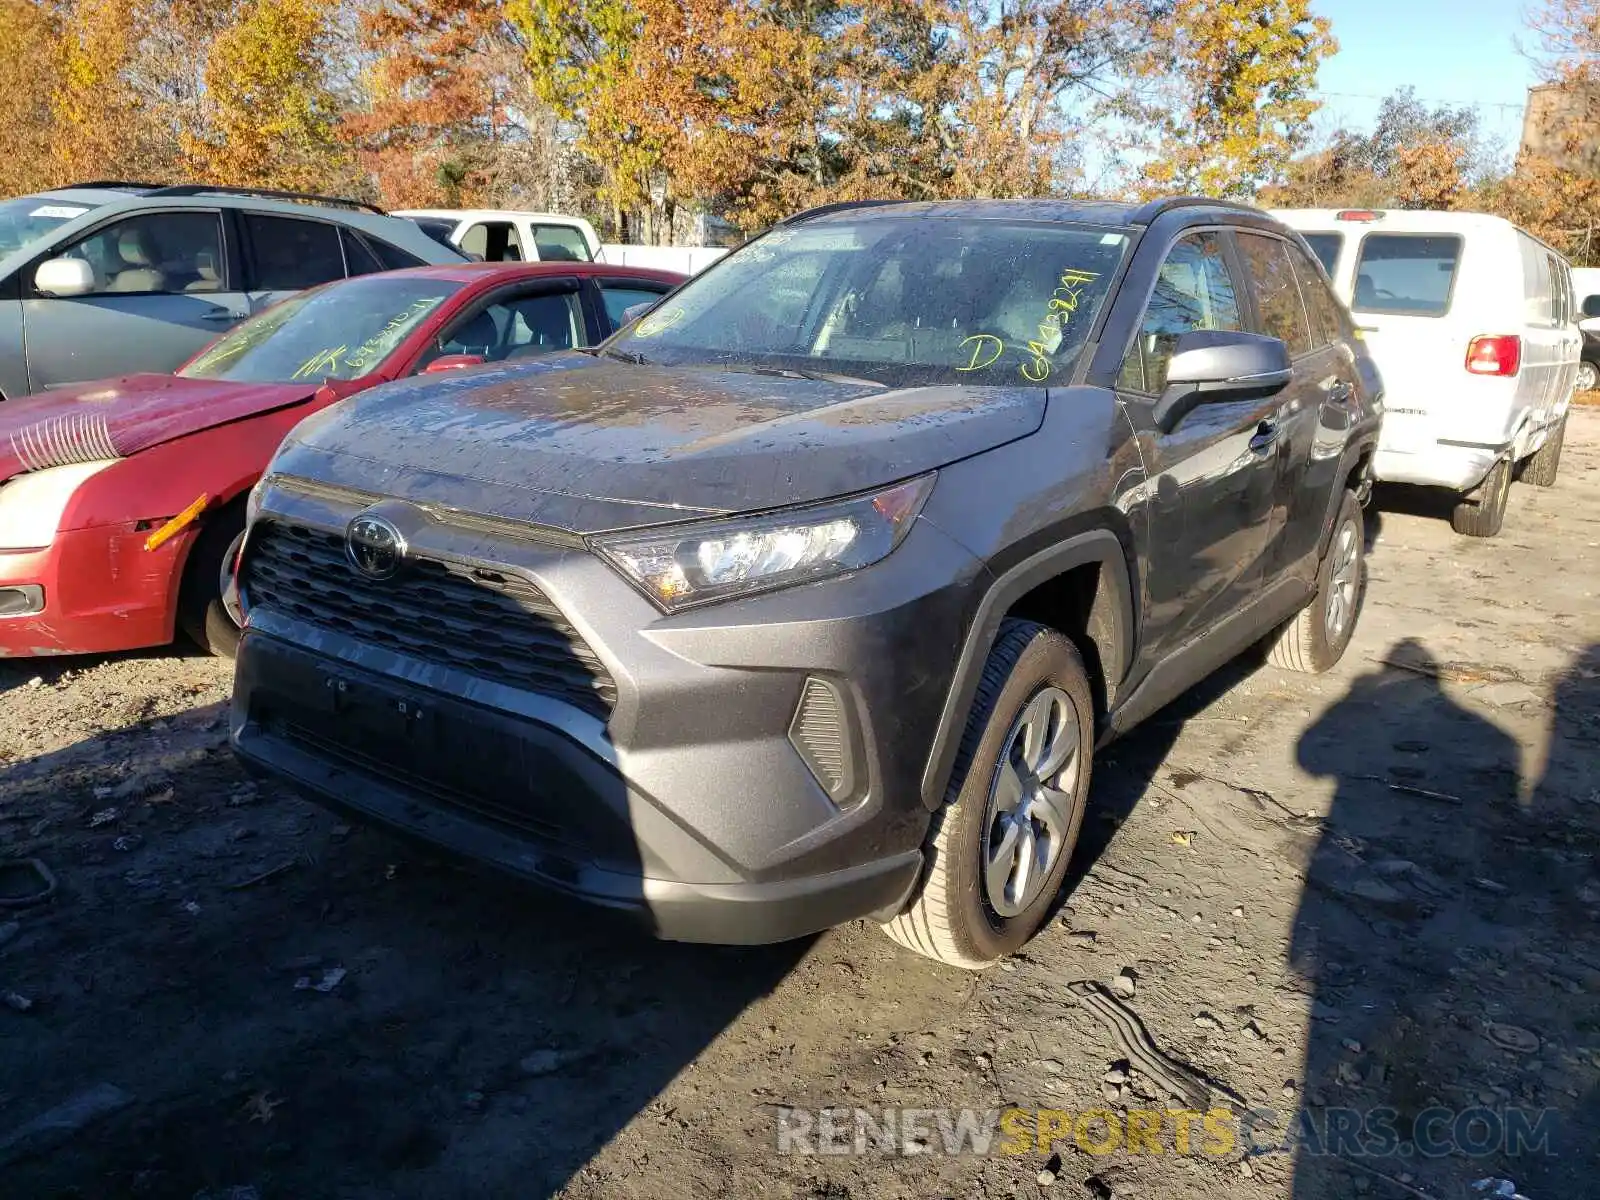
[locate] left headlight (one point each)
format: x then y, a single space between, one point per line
32 505
739 556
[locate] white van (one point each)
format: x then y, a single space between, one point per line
1474 327
1586 287
497 235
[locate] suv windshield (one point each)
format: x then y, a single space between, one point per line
27 218
340 331
899 300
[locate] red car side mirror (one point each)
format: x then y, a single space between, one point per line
452 362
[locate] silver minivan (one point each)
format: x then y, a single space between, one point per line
108 278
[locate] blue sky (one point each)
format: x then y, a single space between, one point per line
1461 51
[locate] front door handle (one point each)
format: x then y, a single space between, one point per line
1266 436
1341 392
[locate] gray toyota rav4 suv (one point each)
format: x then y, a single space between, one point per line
810 594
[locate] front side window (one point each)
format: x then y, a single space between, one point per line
155 252
1194 289
1283 313
291 254
342 331
1409 274
898 300
516 327
560 243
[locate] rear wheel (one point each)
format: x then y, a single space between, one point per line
208 606
1317 637
1540 469
998 849
1483 511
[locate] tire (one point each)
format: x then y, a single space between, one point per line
1317 637
1483 512
1588 377
1541 467
203 602
952 917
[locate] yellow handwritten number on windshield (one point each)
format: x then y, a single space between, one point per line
1058 311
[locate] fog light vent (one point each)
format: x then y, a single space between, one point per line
821 733
21 601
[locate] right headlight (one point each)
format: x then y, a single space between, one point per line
32 504
739 556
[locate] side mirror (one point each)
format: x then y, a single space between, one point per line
634 311
1208 366
1591 306
452 362
64 277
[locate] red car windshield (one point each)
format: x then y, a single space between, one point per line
342 331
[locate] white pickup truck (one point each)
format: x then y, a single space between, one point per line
502 235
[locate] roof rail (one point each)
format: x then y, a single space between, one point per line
111 183
823 210
205 189
1150 210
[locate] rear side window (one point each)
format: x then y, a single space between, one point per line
1326 247
560 243
358 260
1322 307
1406 273
292 254
393 258
1283 315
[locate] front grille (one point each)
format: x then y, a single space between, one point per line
497 626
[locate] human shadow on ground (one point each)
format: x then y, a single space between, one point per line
1443 943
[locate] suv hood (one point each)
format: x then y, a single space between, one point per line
115 418
588 444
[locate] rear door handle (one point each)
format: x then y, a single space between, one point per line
222 314
1265 436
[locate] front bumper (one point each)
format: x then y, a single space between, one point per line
690 804
102 591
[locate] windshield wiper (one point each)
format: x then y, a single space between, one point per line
626 356
793 373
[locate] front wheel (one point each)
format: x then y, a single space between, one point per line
998 849
1588 377
208 606
1317 637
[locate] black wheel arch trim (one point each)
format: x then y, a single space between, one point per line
1099 547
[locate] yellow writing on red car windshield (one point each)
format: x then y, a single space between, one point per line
1062 305
321 363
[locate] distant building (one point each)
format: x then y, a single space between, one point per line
1562 124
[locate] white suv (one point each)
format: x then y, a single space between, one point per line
1474 327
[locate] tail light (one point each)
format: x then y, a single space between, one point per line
1494 354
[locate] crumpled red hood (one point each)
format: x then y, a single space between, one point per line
114 418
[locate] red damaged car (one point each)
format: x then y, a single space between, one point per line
122 501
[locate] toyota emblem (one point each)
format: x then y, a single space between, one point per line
374 546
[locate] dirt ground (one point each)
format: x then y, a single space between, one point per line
1373 888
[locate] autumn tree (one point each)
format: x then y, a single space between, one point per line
27 82
1414 157
1225 94
269 113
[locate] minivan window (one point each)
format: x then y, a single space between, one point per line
28 218
897 300
1326 247
1408 274
1283 313
291 254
